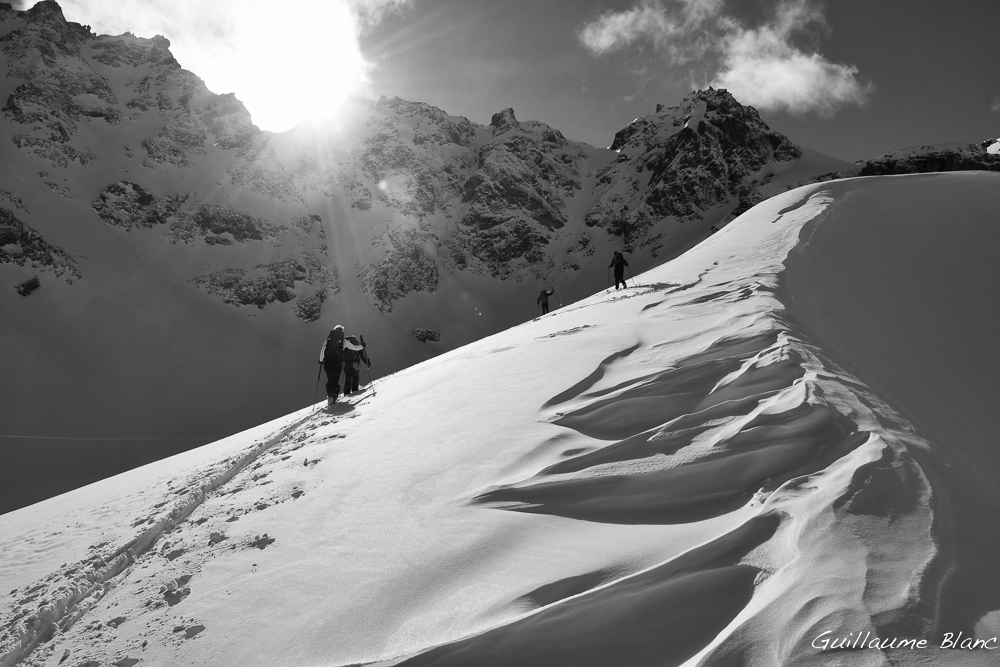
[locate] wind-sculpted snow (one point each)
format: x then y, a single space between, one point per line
673 610
672 463
701 469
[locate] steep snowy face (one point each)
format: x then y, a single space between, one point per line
136 206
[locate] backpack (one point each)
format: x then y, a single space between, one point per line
334 344
351 350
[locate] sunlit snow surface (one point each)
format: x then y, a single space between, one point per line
711 467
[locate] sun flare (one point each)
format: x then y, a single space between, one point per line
291 67
289 62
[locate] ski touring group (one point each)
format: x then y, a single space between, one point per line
618 263
342 354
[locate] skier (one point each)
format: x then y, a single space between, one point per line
543 299
619 262
330 356
353 354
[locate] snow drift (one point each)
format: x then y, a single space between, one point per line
776 449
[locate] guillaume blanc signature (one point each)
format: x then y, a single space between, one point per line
825 641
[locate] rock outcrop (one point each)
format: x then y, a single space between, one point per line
683 161
129 205
267 283
23 246
924 159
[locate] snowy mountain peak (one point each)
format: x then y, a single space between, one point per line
503 121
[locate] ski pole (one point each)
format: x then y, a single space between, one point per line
370 381
609 277
630 275
319 374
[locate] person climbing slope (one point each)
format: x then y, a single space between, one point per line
353 354
543 299
331 358
619 263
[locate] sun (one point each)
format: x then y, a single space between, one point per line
288 62
296 62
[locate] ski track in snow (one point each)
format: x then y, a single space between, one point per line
695 482
67 596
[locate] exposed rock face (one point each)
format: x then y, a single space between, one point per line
129 205
513 200
424 335
8 197
28 286
516 199
268 283
221 225
503 121
974 157
406 267
22 245
682 161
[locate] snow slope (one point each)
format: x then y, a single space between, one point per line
750 452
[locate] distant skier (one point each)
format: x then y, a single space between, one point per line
543 299
330 356
619 262
353 354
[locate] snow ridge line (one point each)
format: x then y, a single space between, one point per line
65 612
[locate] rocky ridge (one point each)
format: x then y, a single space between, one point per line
682 161
512 201
925 159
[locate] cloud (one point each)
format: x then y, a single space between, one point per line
285 61
761 66
662 23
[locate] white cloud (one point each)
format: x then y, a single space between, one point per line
792 81
761 66
663 22
286 61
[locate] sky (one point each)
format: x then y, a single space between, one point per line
851 78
